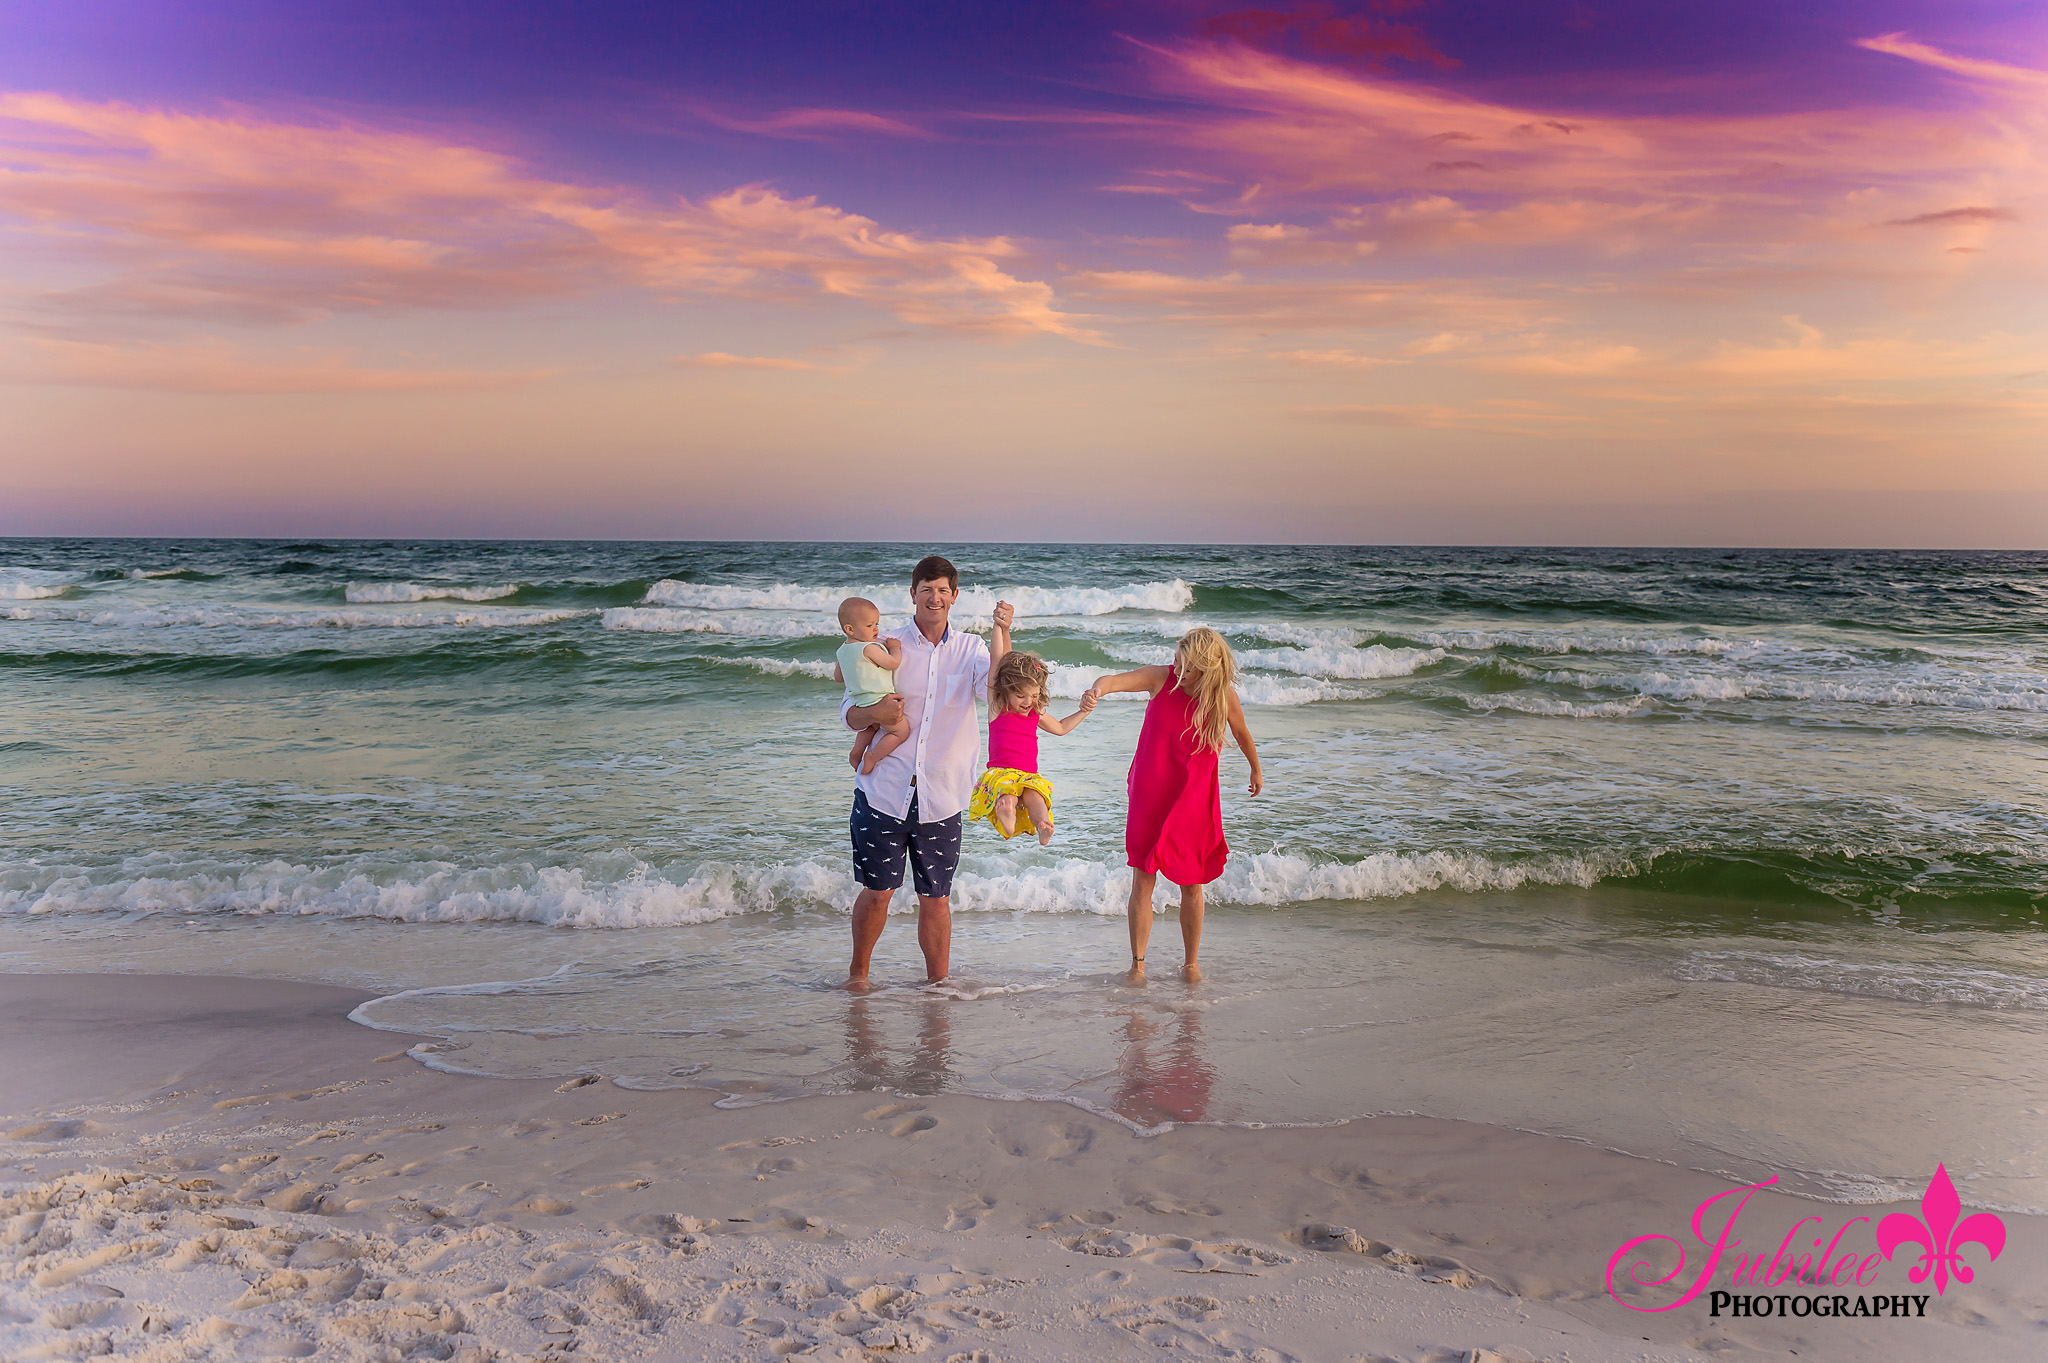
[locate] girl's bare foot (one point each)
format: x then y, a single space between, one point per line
1045 831
1136 974
1192 973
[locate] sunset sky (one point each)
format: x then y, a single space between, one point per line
1441 271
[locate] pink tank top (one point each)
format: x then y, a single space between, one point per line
1013 741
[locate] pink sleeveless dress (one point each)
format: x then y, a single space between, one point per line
1175 823
1013 741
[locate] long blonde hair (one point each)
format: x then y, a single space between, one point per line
1206 669
1017 675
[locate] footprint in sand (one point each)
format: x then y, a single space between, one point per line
912 1126
1431 1268
544 1206
888 1110
580 1081
1180 1254
967 1215
1169 1206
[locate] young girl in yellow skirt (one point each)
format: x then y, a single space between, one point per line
1011 795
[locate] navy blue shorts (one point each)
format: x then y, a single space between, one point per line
881 843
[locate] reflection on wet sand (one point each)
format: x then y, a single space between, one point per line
1162 1075
926 1069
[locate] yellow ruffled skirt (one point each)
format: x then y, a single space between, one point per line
997 782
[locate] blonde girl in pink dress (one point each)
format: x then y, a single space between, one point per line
1011 795
1175 822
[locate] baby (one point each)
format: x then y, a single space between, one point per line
868 667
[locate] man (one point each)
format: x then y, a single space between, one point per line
909 807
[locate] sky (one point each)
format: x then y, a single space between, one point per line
1386 271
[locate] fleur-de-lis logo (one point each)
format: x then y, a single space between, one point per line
1939 1234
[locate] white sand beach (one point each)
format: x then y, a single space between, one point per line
202 1168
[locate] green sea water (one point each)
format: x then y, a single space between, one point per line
1736 859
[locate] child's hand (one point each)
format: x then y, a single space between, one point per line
892 644
1005 612
1088 699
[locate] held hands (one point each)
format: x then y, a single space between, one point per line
1005 612
1088 701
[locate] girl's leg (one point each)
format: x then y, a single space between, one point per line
1191 928
1139 910
1034 805
1006 815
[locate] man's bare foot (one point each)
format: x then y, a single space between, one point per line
1192 973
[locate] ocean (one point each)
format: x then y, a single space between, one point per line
1732 860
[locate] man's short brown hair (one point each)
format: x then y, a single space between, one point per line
930 568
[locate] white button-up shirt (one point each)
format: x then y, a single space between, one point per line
939 685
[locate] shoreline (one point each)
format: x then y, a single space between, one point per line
251 1172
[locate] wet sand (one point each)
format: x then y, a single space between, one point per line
204 1168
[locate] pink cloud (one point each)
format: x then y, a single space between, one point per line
718 359
1997 73
252 214
1406 163
817 124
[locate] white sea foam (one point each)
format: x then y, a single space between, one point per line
1068 682
1973 693
570 896
386 593
750 624
1543 641
1355 664
230 617
776 667
1544 705
1174 596
34 584
1909 983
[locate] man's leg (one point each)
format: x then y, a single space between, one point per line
934 856
935 935
879 846
870 916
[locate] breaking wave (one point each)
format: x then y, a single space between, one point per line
977 602
388 593
229 617
646 896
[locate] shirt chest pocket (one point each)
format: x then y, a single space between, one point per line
953 690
